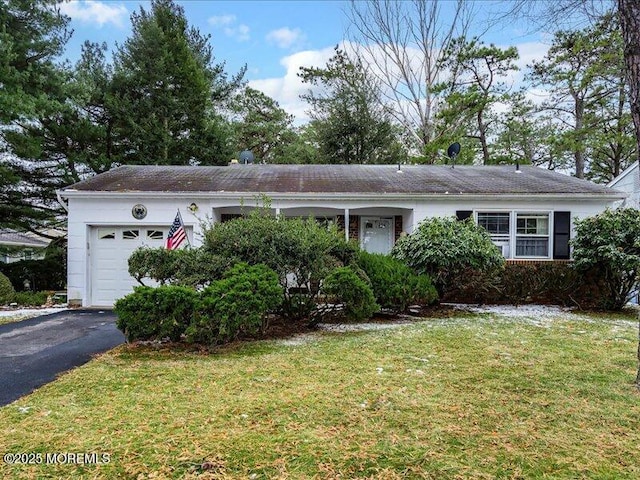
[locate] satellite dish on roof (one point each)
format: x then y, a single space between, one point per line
246 157
452 152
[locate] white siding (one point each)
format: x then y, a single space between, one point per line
630 184
115 210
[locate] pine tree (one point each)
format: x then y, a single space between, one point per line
165 90
260 125
32 36
349 123
477 84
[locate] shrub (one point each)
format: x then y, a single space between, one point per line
31 299
532 282
344 286
235 305
444 248
156 313
7 292
192 267
300 251
49 273
608 243
394 284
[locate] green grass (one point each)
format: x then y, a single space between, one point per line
466 397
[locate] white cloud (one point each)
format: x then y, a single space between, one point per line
285 37
287 89
221 20
239 33
227 23
92 11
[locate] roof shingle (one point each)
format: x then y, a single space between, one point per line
354 179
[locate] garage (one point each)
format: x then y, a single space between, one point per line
109 250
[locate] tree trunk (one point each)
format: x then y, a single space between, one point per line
629 13
578 152
482 130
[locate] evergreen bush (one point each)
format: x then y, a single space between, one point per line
609 244
156 313
236 305
7 292
557 283
344 286
300 251
50 273
394 284
191 267
31 299
446 248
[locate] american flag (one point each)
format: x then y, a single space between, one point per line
177 235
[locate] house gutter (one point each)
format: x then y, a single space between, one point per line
62 194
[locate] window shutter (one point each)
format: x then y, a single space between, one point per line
463 214
561 234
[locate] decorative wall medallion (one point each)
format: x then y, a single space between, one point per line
139 211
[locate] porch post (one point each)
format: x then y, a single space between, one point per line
346 224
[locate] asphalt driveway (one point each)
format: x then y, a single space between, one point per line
34 351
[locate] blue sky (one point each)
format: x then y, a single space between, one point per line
273 38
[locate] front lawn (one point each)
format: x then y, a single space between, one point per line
473 396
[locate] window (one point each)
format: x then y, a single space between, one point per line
532 235
155 234
130 234
325 221
106 233
494 223
498 226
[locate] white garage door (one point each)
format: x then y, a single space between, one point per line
109 250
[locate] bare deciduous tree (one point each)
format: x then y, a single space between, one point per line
403 42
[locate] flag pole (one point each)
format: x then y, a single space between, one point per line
186 236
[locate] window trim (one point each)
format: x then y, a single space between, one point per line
548 235
513 229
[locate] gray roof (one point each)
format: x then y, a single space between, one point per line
13 238
355 179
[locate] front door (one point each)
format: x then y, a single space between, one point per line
377 234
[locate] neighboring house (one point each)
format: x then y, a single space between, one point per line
15 246
629 182
529 212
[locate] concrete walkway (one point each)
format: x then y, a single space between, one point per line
34 351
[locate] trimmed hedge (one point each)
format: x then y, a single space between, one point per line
556 283
394 284
230 307
236 305
31 299
156 313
